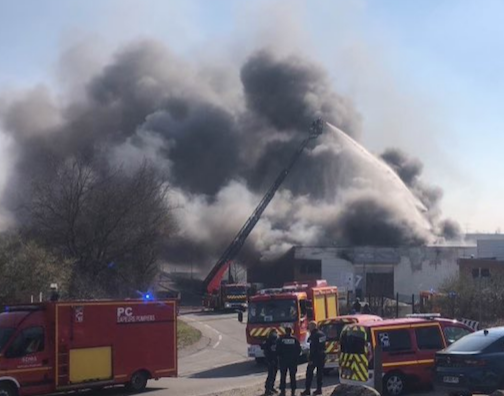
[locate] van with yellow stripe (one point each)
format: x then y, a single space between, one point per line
332 328
408 349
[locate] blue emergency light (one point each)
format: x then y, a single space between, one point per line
147 297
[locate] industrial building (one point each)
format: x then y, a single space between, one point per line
375 271
488 262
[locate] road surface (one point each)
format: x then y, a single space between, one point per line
221 365
218 363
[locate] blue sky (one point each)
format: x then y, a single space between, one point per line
427 75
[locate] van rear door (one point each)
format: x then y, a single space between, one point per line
353 357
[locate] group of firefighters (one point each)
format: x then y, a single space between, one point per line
283 352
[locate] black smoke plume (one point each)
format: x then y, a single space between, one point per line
221 137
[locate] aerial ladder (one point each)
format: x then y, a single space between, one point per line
214 289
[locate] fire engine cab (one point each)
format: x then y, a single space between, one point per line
294 305
66 346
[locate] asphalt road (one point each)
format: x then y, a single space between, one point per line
217 363
221 365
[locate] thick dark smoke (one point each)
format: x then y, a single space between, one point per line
221 138
410 170
386 229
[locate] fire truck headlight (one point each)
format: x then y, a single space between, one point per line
227 305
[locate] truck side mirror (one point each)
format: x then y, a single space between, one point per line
240 316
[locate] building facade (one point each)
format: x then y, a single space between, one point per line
375 271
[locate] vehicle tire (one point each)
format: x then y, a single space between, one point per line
260 361
394 384
7 389
138 382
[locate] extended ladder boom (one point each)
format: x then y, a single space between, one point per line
234 248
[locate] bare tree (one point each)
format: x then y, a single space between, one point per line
108 222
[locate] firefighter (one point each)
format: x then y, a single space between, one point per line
316 359
365 309
288 350
357 305
270 353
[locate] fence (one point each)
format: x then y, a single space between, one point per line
386 307
402 305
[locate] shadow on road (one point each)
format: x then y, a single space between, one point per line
217 313
232 370
300 383
115 391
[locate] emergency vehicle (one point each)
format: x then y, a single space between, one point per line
332 329
227 296
67 346
408 347
294 305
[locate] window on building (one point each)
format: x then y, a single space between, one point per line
307 268
394 340
485 272
429 338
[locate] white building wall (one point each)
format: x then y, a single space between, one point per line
416 269
426 268
336 271
489 248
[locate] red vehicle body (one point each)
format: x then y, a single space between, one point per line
62 346
294 305
408 346
332 328
228 296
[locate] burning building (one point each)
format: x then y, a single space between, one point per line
364 270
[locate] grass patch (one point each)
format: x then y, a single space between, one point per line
186 334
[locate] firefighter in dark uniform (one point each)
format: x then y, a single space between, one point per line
288 350
270 353
316 359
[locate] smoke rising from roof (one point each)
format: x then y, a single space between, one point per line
221 139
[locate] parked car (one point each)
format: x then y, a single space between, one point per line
474 364
408 350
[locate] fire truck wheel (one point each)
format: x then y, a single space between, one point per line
138 381
394 384
8 390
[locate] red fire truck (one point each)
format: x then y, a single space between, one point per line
66 346
228 296
294 305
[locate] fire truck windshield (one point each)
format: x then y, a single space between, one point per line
236 291
273 311
5 335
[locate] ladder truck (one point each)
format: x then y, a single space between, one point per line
219 294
